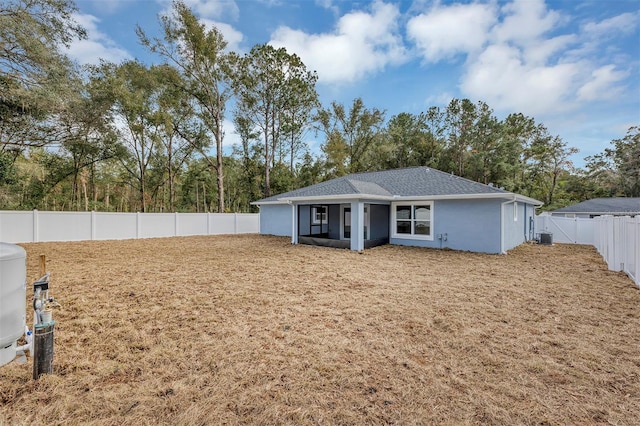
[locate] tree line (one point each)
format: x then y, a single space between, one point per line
138 137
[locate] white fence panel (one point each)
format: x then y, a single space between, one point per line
246 224
570 230
35 226
630 247
17 226
193 224
155 225
584 231
115 226
64 226
617 239
221 223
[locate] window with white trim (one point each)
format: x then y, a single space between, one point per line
319 214
412 220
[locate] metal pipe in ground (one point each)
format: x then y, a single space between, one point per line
43 349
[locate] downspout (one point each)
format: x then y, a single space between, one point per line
502 223
524 223
293 222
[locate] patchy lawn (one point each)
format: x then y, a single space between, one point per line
253 330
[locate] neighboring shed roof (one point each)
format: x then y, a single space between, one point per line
619 205
390 184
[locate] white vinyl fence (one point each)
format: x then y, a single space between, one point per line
37 226
617 239
569 230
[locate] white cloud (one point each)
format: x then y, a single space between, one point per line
540 52
211 9
441 99
329 5
522 56
625 23
232 36
601 83
525 21
97 45
209 12
500 77
448 30
362 43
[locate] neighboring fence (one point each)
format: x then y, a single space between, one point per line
617 239
37 226
570 230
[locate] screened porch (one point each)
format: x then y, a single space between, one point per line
330 225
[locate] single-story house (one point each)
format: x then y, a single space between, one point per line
615 206
416 206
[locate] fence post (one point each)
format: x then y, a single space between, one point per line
93 225
235 223
637 251
138 219
624 255
175 224
35 226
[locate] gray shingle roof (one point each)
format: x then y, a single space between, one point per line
604 205
415 181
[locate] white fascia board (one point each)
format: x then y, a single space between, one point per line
264 203
448 197
341 197
599 213
503 196
528 200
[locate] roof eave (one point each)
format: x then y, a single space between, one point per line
493 195
261 203
341 197
597 212
337 197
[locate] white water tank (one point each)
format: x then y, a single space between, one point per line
13 288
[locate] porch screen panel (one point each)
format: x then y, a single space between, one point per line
318 219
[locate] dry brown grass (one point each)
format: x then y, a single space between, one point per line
252 330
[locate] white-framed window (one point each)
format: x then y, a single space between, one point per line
412 220
319 214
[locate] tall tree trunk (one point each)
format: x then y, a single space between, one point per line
219 171
204 197
267 159
197 198
85 192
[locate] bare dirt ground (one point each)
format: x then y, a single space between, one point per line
252 330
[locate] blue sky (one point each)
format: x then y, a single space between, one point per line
572 65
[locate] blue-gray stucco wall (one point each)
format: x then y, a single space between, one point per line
378 221
334 221
275 219
517 231
470 225
304 220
